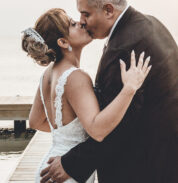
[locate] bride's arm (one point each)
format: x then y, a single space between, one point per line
79 92
37 117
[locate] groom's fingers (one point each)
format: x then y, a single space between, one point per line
51 160
44 171
45 178
50 181
59 179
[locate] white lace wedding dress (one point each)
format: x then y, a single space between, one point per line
64 137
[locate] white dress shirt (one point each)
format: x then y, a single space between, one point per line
114 26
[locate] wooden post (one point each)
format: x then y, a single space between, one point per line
19 127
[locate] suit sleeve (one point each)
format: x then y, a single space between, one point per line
81 161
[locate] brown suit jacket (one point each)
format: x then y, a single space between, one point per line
144 147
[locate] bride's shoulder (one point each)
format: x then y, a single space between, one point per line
46 72
79 77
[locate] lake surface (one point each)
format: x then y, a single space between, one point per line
11 149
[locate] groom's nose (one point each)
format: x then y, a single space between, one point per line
82 22
83 25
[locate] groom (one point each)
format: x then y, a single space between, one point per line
144 147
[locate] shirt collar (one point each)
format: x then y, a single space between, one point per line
116 22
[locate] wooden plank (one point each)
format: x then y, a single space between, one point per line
26 168
20 100
15 108
14 115
22 182
32 156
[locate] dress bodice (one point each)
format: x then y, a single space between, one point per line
65 136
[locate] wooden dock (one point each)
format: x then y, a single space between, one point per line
25 170
15 108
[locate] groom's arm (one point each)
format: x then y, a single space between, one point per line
81 161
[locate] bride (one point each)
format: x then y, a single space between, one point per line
65 103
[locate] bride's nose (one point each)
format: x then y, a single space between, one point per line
78 24
82 25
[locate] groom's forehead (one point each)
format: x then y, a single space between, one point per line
82 5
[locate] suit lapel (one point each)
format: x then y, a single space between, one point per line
122 22
110 52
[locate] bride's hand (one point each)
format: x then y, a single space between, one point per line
135 76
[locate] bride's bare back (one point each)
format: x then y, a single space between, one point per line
50 79
79 97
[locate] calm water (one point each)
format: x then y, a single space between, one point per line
10 150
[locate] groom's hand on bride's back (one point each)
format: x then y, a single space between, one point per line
54 172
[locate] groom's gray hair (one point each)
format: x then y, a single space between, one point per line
119 4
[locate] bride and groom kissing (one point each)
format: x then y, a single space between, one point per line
126 127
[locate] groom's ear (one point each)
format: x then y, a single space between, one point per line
108 10
63 43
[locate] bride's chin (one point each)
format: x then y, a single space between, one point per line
86 41
89 41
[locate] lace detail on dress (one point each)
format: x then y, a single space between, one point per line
64 138
59 92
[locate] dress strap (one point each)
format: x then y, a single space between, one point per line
42 99
59 92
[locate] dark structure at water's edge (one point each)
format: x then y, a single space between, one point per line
10 142
10 132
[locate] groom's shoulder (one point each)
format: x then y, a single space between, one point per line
140 19
134 24
139 26
139 16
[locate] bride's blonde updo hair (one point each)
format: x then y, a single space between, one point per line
51 26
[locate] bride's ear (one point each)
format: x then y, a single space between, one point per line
63 43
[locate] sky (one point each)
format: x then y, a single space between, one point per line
16 15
